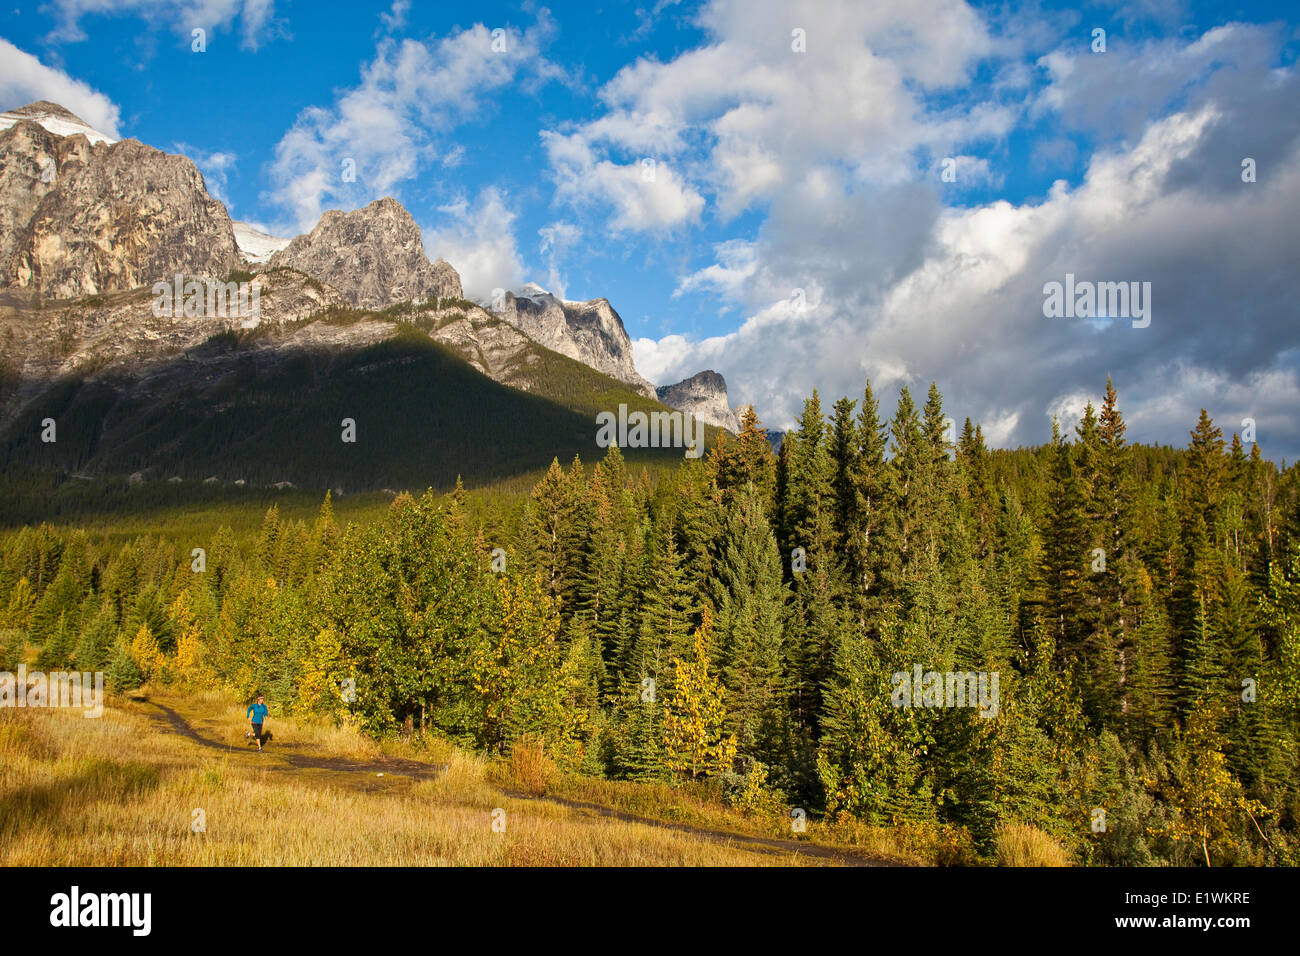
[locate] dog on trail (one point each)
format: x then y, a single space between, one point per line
266 737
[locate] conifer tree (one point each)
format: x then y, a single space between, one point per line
905 517
867 555
843 453
749 598
755 461
1065 552
555 532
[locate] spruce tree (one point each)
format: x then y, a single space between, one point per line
749 597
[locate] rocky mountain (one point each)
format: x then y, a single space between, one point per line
352 316
704 395
435 393
83 218
374 256
591 332
56 119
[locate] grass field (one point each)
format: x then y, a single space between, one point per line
170 781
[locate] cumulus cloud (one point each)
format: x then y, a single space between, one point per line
728 277
25 79
901 288
379 133
215 166
478 240
557 239
255 17
834 89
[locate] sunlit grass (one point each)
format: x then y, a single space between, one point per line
1019 844
123 790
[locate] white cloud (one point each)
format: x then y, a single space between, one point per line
556 241
180 16
727 278
25 79
903 290
215 166
671 358
453 157
478 241
646 195
410 93
394 21
746 118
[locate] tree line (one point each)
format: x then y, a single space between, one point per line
742 619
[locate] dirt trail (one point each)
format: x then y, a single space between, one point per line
296 761
397 766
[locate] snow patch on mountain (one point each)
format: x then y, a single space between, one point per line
256 246
56 120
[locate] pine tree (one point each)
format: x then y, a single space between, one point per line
556 533
905 515
1065 553
808 480
755 462
843 452
750 597
868 558
1202 569
1151 681
666 609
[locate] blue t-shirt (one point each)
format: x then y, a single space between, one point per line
258 712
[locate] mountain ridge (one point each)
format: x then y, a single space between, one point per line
90 330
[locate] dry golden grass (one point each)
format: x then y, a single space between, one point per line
701 805
529 769
1019 844
122 791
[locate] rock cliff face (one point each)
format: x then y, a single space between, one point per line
81 220
83 215
373 256
590 332
704 395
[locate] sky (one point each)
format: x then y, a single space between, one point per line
798 195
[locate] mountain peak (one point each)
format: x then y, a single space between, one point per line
590 332
704 395
56 119
374 255
78 217
46 108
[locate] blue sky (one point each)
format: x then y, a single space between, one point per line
797 231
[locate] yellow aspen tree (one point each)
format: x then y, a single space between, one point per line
1206 798
695 715
148 656
317 681
187 663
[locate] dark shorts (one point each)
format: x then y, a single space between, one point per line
257 731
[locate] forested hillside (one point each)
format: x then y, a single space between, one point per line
422 415
744 619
